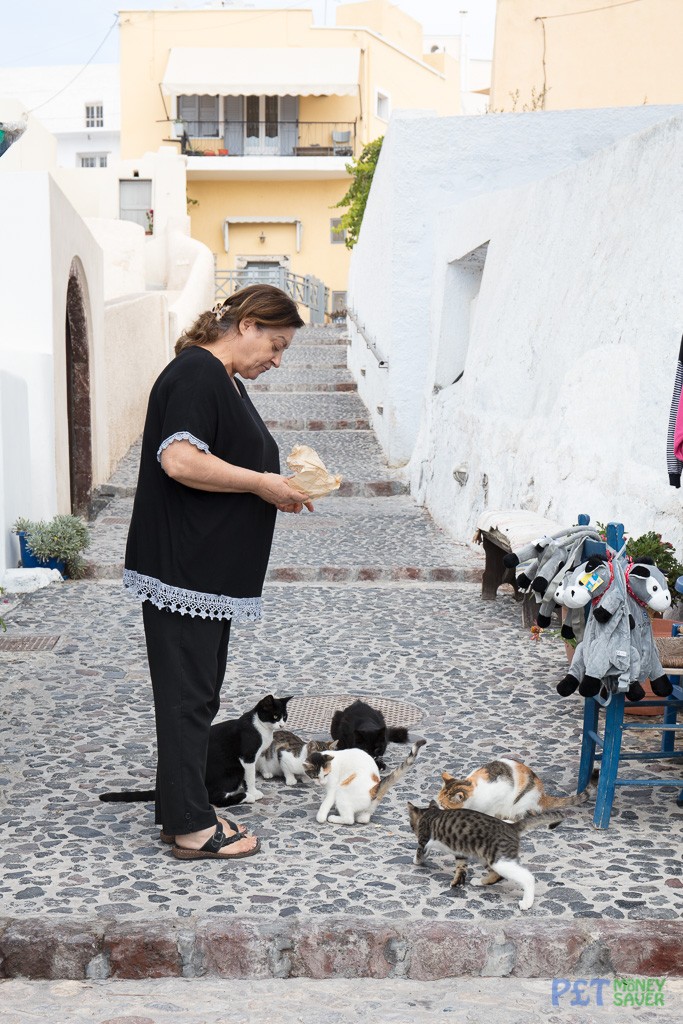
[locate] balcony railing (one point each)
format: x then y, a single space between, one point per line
266 138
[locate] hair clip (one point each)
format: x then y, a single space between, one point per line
218 310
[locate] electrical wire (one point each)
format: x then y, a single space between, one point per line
81 70
588 10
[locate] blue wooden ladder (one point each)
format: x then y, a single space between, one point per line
614 726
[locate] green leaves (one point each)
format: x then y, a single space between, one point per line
363 170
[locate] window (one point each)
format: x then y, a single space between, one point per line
382 105
92 160
458 315
253 117
200 116
135 201
337 233
272 126
94 115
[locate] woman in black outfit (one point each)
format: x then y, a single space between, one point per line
200 538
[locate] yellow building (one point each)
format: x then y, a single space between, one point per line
564 54
269 109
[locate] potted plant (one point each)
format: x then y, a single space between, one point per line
56 544
149 230
663 554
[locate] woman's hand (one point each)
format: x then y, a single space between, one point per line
277 490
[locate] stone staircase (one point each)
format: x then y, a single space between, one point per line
369 531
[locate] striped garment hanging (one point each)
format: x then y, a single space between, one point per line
674 465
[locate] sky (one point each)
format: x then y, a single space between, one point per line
38 32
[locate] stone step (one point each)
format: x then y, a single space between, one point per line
303 380
311 411
322 335
354 454
359 540
313 356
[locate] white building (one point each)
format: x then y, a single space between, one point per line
517 319
475 73
81 107
91 310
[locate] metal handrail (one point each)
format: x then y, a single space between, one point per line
306 289
382 363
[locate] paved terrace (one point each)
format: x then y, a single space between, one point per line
366 597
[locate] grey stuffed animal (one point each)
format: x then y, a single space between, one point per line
604 655
647 587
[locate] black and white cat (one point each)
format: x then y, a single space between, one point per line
234 747
363 727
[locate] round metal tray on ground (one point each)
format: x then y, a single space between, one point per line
314 714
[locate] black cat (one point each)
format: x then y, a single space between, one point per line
360 725
231 761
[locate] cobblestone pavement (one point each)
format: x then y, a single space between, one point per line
88 890
301 1001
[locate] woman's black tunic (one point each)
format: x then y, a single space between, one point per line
201 552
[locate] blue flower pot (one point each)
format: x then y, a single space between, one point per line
29 561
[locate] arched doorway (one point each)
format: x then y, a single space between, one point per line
78 392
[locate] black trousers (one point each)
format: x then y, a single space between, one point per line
187 658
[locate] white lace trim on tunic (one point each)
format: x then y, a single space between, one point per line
191 602
182 435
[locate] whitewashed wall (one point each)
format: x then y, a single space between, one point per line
426 164
47 235
570 356
129 339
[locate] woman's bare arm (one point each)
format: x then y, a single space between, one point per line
183 462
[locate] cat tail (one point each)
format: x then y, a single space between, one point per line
551 819
550 802
334 725
397 735
129 796
385 785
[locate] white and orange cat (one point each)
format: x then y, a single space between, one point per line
506 789
351 782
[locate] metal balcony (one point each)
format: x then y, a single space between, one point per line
265 138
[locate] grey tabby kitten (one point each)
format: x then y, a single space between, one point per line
286 755
473 834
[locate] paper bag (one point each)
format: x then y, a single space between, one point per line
310 474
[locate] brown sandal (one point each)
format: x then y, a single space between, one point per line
212 847
169 839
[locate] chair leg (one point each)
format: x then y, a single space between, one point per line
614 717
668 737
494 570
587 762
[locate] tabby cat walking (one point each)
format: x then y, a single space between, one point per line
473 834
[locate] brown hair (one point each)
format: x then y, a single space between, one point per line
266 305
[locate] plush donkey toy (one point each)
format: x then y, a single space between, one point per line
640 586
544 573
603 658
647 587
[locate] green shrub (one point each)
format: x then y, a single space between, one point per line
63 537
662 553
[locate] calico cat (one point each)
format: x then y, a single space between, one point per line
351 782
505 788
234 747
363 727
286 755
473 834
